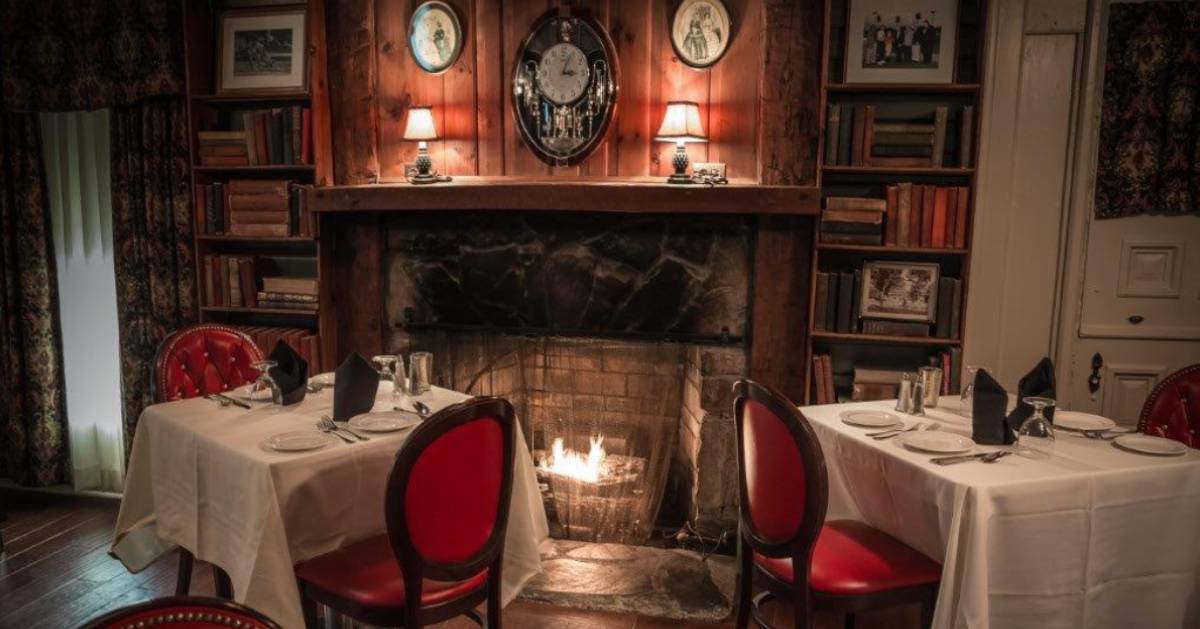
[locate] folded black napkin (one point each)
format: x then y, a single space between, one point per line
1038 382
989 426
290 373
355 384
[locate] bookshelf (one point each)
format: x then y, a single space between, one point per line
268 254
845 348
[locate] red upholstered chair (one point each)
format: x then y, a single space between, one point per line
842 565
1173 408
202 360
184 612
447 511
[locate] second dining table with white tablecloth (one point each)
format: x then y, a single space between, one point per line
199 477
1092 537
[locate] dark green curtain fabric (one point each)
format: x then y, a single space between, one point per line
33 431
152 238
1150 119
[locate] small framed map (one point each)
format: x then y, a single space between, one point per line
435 36
700 32
262 51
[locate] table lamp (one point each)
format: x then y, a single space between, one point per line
420 128
681 124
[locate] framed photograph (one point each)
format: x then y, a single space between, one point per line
900 291
700 32
901 41
262 50
435 36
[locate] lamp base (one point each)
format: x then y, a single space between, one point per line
679 178
423 178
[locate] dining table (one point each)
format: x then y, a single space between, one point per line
202 477
1091 536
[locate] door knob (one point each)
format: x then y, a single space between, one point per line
1094 379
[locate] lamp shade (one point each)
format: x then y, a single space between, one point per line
681 123
420 124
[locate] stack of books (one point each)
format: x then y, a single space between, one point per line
303 341
822 379
230 280
254 207
289 293
926 216
222 148
875 384
853 220
949 308
897 135
838 301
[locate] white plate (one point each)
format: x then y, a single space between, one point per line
390 421
1146 444
323 379
297 441
936 441
1075 420
870 419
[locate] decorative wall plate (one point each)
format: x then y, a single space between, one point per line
564 87
700 32
435 36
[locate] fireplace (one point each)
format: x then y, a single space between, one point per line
617 338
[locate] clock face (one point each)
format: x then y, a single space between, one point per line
563 73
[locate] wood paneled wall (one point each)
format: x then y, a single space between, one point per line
375 82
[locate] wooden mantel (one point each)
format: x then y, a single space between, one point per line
575 194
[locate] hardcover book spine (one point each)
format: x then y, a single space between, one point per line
939 135
915 216
937 234
845 135
904 214
856 156
833 122
845 300
963 200
928 201
868 133
819 301
890 226
966 136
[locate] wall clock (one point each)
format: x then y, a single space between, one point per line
564 87
435 36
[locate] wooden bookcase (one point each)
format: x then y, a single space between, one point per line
209 110
850 349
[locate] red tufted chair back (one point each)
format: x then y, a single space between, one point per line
203 359
448 495
184 612
784 490
1173 408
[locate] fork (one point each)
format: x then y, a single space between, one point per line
888 434
323 426
344 427
1108 435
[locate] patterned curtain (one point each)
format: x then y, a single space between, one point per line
65 55
152 239
1150 122
33 430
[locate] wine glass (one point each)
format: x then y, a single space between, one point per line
264 388
1035 438
386 364
966 399
401 383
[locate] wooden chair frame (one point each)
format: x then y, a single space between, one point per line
1143 425
224 612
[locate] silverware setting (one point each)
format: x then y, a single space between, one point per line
326 425
986 457
225 400
345 426
1107 435
221 401
888 434
418 407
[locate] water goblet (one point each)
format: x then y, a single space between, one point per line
1035 437
264 388
966 399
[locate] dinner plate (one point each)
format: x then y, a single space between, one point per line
870 419
390 421
323 379
1075 420
936 442
297 441
1146 444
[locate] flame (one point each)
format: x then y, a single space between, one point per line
566 462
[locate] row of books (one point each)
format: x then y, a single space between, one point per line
868 384
838 306
898 135
279 136
254 207
233 281
911 215
303 341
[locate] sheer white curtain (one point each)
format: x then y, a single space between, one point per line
76 148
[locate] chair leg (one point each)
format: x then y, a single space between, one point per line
308 607
493 594
183 580
223 585
802 609
745 585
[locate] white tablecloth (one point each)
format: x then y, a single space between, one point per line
199 478
1094 537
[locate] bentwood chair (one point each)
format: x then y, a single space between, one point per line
202 360
184 612
840 566
1173 408
447 511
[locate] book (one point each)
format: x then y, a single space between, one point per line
306 136
900 151
831 301
856 141
833 123
297 122
839 238
945 293
221 150
956 310
873 391
966 136
296 297
827 369
960 217
914 215
818 377
863 375
821 294
235 282
951 216
270 217
856 300
904 127
870 217
889 220
928 201
221 137
300 285
939 134
288 305
902 139
868 133
845 300
845 134
937 229
249 281
895 328
224 160
285 136
904 213
900 162
955 374
855 203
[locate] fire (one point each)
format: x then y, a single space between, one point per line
566 462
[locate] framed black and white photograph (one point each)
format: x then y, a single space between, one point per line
901 41
900 291
262 51
700 32
435 36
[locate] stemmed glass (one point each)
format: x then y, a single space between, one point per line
265 389
386 364
966 399
392 368
1035 438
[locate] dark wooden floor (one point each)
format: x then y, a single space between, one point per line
55 572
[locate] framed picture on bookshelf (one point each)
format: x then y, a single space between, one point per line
262 50
901 41
899 291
